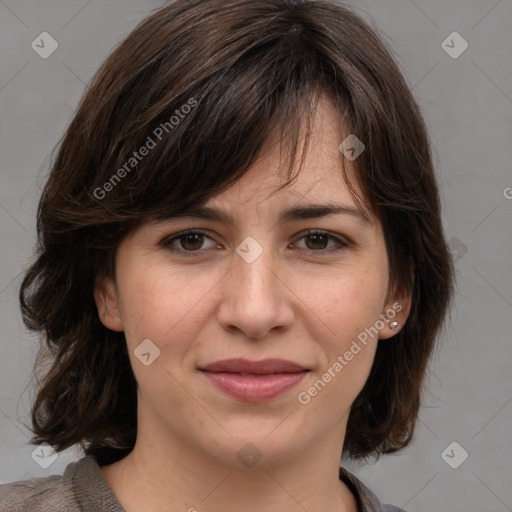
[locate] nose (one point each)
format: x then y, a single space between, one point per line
256 296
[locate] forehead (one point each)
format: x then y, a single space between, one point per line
320 179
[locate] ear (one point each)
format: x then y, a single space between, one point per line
397 308
107 303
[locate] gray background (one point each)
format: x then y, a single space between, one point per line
467 103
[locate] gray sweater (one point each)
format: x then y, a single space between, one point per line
82 488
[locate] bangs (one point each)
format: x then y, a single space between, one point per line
187 130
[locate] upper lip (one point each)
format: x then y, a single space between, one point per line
263 367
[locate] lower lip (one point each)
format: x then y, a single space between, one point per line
255 388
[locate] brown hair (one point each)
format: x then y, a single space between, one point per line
202 84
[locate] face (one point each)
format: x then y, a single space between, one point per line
309 291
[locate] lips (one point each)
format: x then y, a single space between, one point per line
254 381
264 367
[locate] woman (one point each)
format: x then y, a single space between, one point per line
241 270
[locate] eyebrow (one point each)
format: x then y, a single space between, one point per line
299 212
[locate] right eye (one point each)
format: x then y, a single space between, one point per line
191 242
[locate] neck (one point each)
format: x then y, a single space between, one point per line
163 475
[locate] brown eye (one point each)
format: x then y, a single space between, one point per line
186 243
317 241
191 241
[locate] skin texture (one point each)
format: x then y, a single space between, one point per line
296 301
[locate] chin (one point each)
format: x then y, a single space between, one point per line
253 448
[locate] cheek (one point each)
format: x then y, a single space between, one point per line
350 309
163 305
347 303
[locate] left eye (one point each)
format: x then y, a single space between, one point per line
321 238
191 242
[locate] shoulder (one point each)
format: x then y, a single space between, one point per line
366 498
80 488
50 493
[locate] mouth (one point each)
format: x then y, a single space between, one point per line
254 381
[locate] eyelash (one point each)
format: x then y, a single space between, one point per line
167 242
